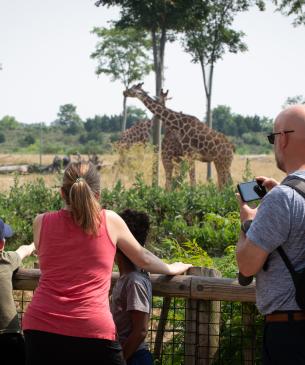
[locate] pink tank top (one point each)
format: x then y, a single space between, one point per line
72 295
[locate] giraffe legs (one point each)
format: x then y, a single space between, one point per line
168 167
223 171
192 172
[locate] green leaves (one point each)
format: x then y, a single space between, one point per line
292 7
188 224
122 54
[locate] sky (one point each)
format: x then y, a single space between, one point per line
45 49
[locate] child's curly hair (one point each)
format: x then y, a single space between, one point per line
138 224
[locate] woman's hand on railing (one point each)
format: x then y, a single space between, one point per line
178 268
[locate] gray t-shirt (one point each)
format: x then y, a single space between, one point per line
132 292
9 262
280 221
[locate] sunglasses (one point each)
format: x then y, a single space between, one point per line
271 137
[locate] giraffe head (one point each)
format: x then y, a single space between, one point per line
134 91
163 97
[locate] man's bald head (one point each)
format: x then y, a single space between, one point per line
292 118
289 147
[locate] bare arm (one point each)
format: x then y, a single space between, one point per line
36 230
250 258
139 322
141 257
25 250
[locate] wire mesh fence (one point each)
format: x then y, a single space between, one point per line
196 332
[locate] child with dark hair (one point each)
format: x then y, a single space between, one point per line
11 339
132 296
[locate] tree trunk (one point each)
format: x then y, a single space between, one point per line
209 115
158 55
124 114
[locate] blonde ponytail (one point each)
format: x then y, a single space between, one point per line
81 189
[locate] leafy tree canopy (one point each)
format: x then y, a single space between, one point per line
9 122
155 14
69 119
122 54
298 99
292 7
236 124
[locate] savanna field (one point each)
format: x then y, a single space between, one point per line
136 162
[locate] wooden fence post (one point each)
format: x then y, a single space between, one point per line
161 328
248 320
202 324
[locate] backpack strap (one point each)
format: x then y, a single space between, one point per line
299 186
286 260
296 184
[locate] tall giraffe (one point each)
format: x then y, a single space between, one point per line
189 138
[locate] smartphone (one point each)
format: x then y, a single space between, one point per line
251 190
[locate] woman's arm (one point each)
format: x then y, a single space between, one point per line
36 230
25 250
140 256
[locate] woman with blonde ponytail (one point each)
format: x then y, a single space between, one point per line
69 316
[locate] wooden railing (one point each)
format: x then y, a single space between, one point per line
183 286
203 290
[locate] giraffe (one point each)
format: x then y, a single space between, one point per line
141 131
188 138
138 133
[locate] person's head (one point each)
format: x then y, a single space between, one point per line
81 193
5 232
289 138
138 224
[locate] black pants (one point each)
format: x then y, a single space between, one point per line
284 343
12 349
43 348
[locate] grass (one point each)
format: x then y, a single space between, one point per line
138 161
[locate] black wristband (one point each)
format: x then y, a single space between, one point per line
246 225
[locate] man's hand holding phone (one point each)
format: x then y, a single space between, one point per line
251 190
267 182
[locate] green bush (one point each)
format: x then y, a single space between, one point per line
198 216
23 202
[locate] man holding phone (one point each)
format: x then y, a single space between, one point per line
279 221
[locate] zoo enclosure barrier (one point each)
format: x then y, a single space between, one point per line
197 319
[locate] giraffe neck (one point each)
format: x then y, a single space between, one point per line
158 110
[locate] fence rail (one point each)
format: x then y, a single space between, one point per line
181 286
197 319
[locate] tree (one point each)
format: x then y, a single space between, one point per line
223 119
9 122
298 99
122 54
135 115
68 119
292 7
162 19
209 38
28 140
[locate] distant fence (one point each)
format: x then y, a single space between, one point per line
196 319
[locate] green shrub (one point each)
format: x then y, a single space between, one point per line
200 217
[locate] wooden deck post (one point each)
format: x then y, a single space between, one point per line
202 323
